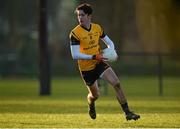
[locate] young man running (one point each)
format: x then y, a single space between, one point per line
85 47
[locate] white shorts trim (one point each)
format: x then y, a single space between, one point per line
103 72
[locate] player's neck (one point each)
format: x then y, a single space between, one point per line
87 26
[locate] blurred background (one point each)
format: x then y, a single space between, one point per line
146 34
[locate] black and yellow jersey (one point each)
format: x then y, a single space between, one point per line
88 40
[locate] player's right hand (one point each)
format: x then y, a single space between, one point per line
99 57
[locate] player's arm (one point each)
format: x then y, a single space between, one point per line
76 54
108 41
75 49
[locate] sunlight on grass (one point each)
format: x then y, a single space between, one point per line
22 107
83 121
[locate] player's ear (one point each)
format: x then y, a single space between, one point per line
90 16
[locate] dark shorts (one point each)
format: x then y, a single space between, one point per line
91 76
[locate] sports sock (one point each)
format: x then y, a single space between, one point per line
125 107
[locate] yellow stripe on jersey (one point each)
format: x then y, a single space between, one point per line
89 44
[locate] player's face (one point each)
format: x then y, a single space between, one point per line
83 19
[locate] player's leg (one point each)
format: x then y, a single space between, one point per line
93 93
112 78
91 98
90 80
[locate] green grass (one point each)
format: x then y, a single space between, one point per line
22 107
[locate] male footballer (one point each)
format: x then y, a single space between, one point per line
85 48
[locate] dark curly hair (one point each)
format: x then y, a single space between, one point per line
85 7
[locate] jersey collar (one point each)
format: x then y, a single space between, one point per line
86 28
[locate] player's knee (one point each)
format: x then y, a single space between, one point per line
93 96
117 85
96 95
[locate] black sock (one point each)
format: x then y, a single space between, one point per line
125 107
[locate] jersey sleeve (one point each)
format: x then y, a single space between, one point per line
74 39
102 34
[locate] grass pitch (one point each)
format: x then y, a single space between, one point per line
22 107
